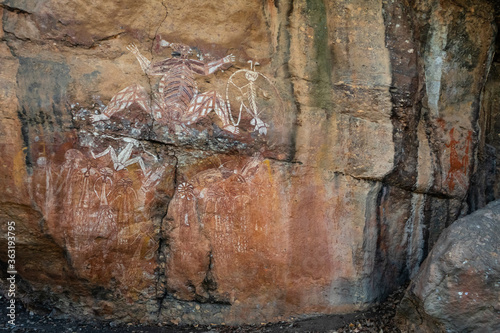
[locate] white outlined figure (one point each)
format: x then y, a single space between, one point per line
105 218
177 101
123 159
247 98
106 175
125 199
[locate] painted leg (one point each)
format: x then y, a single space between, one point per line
138 160
199 107
124 99
109 150
202 104
222 111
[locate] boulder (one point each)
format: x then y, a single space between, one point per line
458 286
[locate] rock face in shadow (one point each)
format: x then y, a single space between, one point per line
210 162
457 288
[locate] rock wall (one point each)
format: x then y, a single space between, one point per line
486 181
203 162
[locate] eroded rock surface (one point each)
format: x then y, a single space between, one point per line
228 161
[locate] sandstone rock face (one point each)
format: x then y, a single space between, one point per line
489 122
209 162
457 288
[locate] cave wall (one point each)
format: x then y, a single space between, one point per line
359 139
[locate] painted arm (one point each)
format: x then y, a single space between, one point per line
158 68
143 61
202 68
214 66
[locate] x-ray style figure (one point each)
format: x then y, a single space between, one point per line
177 101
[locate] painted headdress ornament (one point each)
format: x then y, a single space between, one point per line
177 48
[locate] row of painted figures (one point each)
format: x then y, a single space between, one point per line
106 188
178 103
100 192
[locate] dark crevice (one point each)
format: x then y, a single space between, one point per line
432 194
14 9
151 51
22 115
435 150
103 39
163 245
287 36
209 285
405 113
64 42
483 168
379 259
289 161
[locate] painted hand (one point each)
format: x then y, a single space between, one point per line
229 59
132 48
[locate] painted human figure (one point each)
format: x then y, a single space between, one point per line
458 166
123 160
177 101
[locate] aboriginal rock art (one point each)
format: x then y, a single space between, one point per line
247 88
178 103
96 202
101 195
122 160
457 172
212 225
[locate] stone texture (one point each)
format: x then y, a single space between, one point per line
357 145
456 289
489 122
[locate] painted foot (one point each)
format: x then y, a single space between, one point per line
232 129
260 126
98 117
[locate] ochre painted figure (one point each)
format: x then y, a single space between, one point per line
178 101
458 166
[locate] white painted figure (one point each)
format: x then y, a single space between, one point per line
248 96
123 159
